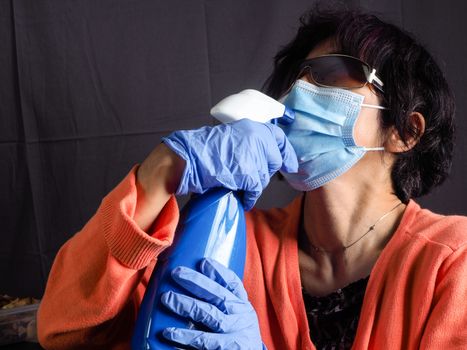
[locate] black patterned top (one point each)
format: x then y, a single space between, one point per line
333 318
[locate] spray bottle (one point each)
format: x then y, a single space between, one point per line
211 225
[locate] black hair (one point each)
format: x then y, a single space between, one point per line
413 82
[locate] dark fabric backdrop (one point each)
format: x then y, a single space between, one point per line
87 88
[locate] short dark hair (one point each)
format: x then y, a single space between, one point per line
413 82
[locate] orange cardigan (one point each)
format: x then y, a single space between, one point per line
415 297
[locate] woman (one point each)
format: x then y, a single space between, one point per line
353 262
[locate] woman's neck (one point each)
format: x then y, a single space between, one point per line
336 223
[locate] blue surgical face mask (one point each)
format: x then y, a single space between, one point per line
322 133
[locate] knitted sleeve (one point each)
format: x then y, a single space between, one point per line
446 327
99 276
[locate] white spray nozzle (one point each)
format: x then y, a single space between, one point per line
253 105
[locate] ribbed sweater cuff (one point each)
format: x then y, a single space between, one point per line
129 244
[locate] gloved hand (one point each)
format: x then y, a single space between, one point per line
224 308
242 155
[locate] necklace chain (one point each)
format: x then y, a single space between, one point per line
371 228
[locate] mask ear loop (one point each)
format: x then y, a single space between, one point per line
374 148
376 107
372 106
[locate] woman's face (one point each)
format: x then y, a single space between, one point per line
367 131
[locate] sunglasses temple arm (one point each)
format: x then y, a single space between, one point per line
372 77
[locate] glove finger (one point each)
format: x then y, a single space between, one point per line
253 185
249 199
196 339
260 149
289 157
268 150
224 276
208 290
202 312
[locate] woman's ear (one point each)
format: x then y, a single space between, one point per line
394 142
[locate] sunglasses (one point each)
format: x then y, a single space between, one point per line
341 71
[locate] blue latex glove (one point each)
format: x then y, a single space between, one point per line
220 303
242 155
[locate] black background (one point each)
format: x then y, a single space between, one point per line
87 88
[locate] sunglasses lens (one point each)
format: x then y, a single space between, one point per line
338 71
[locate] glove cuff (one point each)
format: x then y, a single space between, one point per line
178 148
